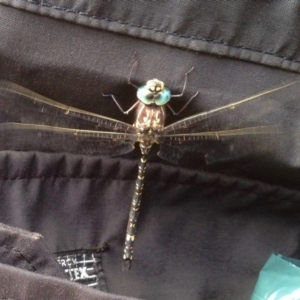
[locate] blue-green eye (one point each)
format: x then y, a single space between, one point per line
163 97
147 97
144 95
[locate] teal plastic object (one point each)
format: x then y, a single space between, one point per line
279 279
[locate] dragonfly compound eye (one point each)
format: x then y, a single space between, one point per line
154 92
150 96
162 97
145 96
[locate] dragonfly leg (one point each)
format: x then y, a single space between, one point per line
134 214
131 71
184 84
184 106
125 112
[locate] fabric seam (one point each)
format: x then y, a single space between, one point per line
159 30
212 184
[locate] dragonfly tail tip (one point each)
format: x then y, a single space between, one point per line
126 264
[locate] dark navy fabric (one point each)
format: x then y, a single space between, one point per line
28 270
25 250
258 31
217 230
20 284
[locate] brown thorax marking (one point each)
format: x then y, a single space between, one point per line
149 122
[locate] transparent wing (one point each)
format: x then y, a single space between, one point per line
20 105
31 137
264 124
31 122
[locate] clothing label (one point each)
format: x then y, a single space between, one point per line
84 267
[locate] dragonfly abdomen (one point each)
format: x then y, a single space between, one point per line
134 213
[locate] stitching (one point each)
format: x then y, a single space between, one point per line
21 255
62 177
102 249
215 183
160 30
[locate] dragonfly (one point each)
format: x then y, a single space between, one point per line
32 122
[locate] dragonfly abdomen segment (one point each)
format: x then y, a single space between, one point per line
134 214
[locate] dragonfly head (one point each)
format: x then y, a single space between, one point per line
155 86
154 92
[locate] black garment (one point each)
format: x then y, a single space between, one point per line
204 231
29 271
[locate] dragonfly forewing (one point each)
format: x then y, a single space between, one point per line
32 137
258 109
267 123
20 105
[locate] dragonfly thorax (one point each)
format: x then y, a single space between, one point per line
146 140
154 92
150 120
